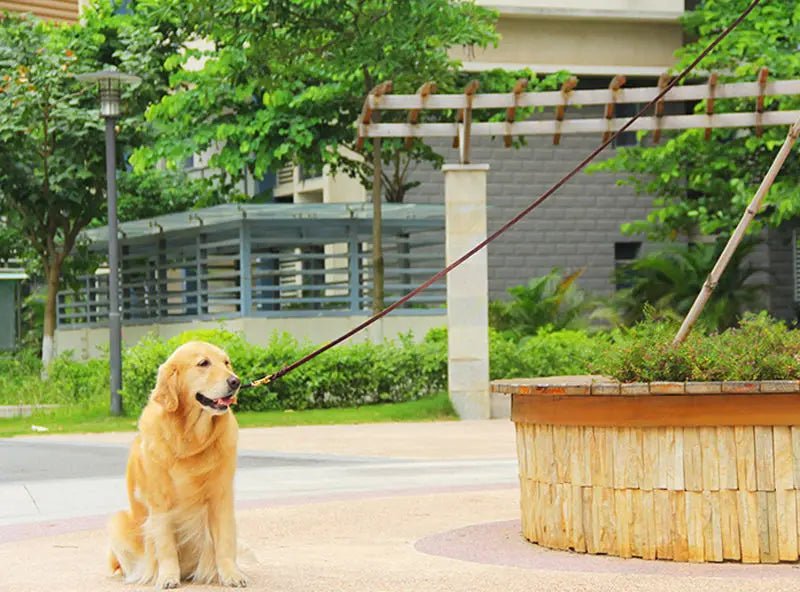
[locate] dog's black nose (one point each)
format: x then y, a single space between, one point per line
234 382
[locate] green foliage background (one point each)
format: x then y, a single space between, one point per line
701 187
285 82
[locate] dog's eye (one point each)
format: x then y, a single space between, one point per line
227 362
204 363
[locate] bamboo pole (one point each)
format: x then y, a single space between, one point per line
738 234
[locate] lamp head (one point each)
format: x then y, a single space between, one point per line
110 84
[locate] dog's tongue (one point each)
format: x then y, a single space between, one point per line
226 401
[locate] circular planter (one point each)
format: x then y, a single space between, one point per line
694 471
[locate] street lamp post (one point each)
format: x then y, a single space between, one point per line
110 84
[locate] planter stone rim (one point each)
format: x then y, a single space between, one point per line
604 386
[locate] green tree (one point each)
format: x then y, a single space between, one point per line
284 81
701 187
154 192
52 167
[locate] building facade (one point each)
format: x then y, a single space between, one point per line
55 10
579 227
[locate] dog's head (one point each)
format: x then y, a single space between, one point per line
196 374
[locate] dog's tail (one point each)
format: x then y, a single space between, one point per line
113 563
126 545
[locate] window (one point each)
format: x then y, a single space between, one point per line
796 263
624 254
625 139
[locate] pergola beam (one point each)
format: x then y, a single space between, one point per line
696 92
577 126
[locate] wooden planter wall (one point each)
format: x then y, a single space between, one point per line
660 471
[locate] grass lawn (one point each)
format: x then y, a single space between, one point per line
72 420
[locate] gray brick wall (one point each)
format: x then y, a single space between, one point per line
575 228
780 253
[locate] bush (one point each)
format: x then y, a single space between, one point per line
348 375
358 374
85 383
760 348
67 383
554 353
139 370
548 353
18 377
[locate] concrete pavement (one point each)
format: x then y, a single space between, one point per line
431 506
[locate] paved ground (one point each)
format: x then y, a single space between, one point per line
396 507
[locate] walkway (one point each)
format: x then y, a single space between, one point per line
397 507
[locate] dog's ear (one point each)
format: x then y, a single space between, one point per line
166 391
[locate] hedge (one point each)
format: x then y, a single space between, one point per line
347 375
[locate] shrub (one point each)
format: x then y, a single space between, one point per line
84 383
348 375
548 353
357 374
760 348
139 369
67 382
553 353
19 375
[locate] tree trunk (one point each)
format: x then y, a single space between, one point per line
377 227
53 271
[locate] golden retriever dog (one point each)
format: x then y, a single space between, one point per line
180 525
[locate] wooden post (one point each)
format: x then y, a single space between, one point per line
511 113
377 224
413 115
566 90
738 234
663 81
377 216
365 118
712 90
763 74
616 84
462 140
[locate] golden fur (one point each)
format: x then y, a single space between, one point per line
180 477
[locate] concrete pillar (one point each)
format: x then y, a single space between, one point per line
467 290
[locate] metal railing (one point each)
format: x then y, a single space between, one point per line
223 275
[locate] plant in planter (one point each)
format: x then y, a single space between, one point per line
759 348
690 452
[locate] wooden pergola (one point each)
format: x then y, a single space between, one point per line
465 183
568 101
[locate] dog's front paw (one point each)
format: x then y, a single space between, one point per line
167 582
232 576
